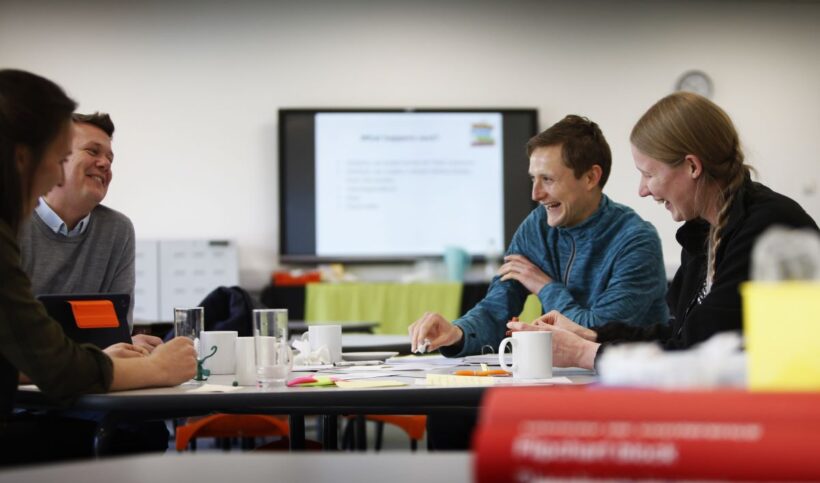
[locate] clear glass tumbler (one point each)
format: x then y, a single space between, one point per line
189 322
273 355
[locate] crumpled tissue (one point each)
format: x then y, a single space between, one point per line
782 253
307 357
717 362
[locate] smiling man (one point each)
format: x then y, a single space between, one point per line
72 243
579 252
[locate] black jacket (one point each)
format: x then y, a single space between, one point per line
754 209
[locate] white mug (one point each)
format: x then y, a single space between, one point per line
532 354
327 335
245 361
224 360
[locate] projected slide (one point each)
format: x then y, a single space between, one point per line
410 182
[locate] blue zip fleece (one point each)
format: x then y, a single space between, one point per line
607 268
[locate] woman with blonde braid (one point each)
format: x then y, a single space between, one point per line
687 151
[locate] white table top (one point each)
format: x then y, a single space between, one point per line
395 467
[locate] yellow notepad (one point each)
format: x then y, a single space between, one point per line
453 380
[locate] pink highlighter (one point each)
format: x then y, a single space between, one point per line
311 381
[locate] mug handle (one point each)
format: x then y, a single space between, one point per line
501 349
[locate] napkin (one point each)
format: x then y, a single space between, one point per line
306 357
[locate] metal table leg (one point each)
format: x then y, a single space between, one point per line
297 432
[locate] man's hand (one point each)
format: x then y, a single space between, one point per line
435 329
147 342
517 267
125 350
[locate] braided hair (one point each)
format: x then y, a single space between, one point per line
684 124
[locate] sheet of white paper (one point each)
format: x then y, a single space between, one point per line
345 369
363 375
513 381
311 368
215 388
438 360
489 359
417 367
505 381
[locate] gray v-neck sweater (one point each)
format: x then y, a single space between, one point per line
100 260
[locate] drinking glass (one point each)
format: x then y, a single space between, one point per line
189 322
273 356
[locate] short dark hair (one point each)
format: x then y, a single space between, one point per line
99 119
32 111
582 145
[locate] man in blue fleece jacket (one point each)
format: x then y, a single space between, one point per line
592 259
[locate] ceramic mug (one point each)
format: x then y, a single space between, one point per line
531 356
224 360
329 336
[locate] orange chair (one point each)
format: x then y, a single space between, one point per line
414 426
230 426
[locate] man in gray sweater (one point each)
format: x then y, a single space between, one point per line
72 243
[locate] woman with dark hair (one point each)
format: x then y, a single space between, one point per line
688 153
35 138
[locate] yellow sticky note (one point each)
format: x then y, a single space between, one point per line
780 325
366 383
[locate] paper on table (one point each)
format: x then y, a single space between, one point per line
489 359
435 359
311 367
346 369
214 388
361 375
367 384
416 367
492 360
453 380
550 380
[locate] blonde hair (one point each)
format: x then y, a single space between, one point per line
684 124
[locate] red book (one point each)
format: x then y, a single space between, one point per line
525 433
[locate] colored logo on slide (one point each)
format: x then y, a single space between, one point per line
482 134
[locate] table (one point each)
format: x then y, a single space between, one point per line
453 467
330 402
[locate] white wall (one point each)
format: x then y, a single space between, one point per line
194 86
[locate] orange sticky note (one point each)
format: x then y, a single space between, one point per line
94 314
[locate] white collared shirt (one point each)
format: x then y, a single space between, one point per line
56 223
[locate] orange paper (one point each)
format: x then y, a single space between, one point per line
94 314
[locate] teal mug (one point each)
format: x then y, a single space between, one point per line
456 259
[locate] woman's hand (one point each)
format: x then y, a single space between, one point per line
556 319
568 348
